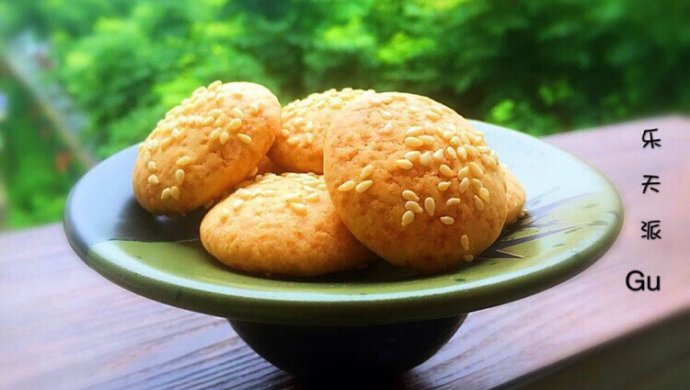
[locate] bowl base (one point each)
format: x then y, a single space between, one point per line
347 351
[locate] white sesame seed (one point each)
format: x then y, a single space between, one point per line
452 201
471 151
152 145
165 194
235 124
468 258
255 108
215 84
176 133
425 159
153 180
447 220
184 160
438 155
445 170
151 166
244 138
465 242
366 171
387 128
413 206
443 186
463 172
236 204
430 206
285 133
476 169
413 131
312 198
455 141
175 192
410 195
462 153
179 176
478 203
386 115
404 164
413 155
224 137
215 133
476 184
464 185
451 153
299 208
347 186
427 139
407 218
413 142
447 135
294 140
484 194
237 113
309 126
363 186
433 115
489 161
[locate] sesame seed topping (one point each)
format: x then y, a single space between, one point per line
386 115
443 186
445 170
224 137
464 185
413 155
413 142
478 203
215 133
484 194
255 108
152 145
293 140
151 166
404 164
427 139
236 204
244 138
299 208
455 141
347 186
489 161
237 113
215 84
468 258
179 176
176 133
184 160
410 195
312 198
451 153
175 192
476 169
462 153
430 206
447 135
438 155
465 242
477 184
285 132
153 180
433 115
452 202
447 220
425 159
413 206
235 124
387 128
165 194
366 171
463 172
363 186
407 218
413 131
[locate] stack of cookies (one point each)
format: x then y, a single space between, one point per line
328 183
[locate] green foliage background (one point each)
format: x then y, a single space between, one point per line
541 66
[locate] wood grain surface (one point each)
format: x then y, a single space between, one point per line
64 326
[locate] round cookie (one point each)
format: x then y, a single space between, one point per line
413 181
299 145
205 145
282 224
515 197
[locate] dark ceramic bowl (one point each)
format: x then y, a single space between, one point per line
381 319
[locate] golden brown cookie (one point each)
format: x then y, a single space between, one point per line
282 224
299 145
414 181
205 145
515 197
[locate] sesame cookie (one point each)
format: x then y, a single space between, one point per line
282 224
299 145
205 145
515 197
414 181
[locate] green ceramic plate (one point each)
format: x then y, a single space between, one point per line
574 216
